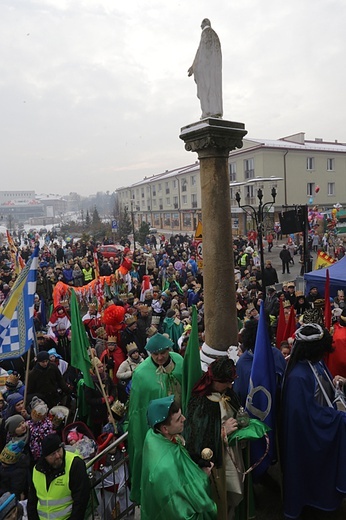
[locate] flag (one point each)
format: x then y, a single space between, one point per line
323 260
280 329
96 265
17 312
260 402
327 307
18 265
291 325
79 342
192 369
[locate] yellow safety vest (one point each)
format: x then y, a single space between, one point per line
88 275
56 503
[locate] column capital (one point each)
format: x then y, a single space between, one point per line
217 134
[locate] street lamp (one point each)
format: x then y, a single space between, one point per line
258 216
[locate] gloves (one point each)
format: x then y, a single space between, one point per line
110 363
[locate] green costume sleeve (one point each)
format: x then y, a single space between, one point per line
173 486
146 385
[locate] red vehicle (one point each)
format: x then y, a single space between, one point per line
110 250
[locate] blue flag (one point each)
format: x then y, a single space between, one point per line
17 312
260 402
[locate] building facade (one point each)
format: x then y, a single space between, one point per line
302 171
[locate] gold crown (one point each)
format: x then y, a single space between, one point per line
112 339
92 305
131 347
118 408
286 304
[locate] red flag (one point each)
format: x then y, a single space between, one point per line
291 325
327 308
280 331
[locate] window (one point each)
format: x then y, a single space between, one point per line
331 188
310 189
330 165
184 185
184 199
193 180
310 163
249 168
168 201
175 202
175 184
159 187
187 220
154 191
160 204
249 192
194 200
233 172
154 203
142 193
167 188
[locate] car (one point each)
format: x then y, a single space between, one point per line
152 230
110 250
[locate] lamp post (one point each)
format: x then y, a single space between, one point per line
258 216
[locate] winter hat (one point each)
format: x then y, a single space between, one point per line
50 444
43 356
53 352
8 502
12 423
12 452
39 409
74 435
170 313
13 399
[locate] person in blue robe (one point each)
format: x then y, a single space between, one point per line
313 430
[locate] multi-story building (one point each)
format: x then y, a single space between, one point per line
302 171
169 200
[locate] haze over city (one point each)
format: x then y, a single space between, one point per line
93 93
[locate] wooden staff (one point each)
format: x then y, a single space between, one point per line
105 396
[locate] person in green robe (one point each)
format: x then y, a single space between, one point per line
158 376
173 486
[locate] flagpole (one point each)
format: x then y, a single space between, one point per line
105 396
27 373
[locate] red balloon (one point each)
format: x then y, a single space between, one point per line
317 189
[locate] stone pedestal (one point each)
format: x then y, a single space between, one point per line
213 139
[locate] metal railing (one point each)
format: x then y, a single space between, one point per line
109 475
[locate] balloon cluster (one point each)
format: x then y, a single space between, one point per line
314 216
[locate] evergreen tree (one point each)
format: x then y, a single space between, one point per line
143 232
87 220
125 224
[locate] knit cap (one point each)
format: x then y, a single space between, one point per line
39 409
15 398
12 423
12 452
8 502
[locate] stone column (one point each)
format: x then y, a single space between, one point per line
213 139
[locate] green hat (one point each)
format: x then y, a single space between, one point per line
157 343
158 410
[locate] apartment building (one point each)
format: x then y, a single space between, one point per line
302 171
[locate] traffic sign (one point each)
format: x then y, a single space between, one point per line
199 249
114 225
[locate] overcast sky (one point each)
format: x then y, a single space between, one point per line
93 93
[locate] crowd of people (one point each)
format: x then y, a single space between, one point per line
136 309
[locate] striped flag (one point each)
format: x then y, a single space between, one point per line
323 260
17 312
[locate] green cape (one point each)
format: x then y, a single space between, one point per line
146 385
173 486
